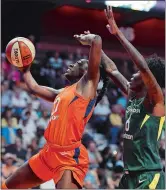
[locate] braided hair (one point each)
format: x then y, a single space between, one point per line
105 80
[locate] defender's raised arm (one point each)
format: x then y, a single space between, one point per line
154 90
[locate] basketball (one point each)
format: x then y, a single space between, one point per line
20 52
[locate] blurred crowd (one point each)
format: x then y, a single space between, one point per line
24 117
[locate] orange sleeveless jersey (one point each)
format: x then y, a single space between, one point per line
69 116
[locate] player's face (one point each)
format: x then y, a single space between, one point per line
136 82
76 70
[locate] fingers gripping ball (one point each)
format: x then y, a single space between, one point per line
20 52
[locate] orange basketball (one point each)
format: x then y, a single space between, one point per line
20 52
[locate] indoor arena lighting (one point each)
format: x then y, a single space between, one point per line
134 5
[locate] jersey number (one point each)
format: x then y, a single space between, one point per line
127 125
56 104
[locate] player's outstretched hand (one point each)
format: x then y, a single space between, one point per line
86 38
112 26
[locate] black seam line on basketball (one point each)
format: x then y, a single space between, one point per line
27 56
29 49
20 52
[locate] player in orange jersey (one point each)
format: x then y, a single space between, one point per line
64 159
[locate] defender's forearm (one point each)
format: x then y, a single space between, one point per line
107 62
112 71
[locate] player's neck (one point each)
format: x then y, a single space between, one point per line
73 81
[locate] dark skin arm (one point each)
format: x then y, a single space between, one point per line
87 86
44 92
154 91
113 72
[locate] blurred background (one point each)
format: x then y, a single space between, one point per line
50 25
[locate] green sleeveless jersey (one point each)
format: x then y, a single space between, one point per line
141 135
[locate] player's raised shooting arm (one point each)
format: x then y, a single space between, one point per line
44 92
154 90
94 58
114 73
95 42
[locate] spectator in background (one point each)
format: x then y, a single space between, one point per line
49 73
3 145
28 127
115 123
32 149
44 105
6 67
8 168
86 139
6 94
70 59
91 180
101 112
85 56
17 149
35 102
34 145
107 158
33 113
40 137
9 132
8 114
112 94
14 75
59 81
94 155
19 134
78 54
30 152
55 61
113 177
122 100
44 71
42 122
19 99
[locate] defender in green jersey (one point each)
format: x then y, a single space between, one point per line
145 115
141 134
141 152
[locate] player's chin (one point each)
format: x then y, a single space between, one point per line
67 75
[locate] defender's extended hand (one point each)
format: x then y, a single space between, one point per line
112 26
